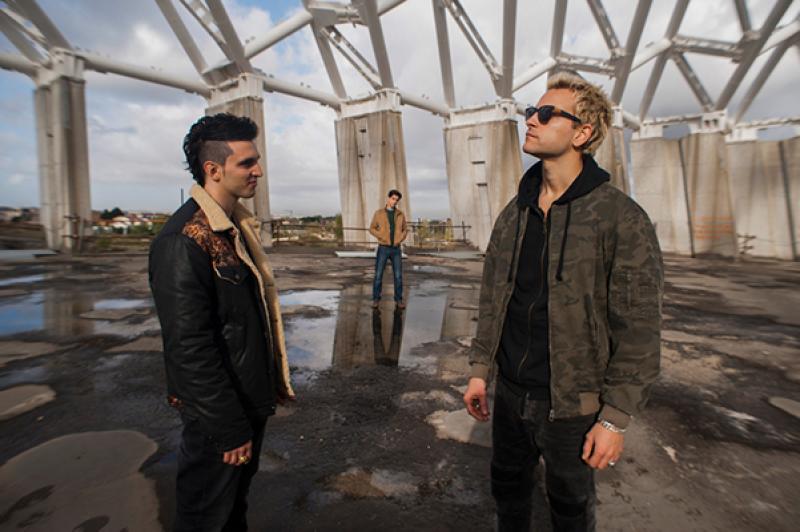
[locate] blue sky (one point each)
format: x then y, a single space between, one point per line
135 128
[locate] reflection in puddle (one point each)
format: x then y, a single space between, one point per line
57 311
120 304
36 374
357 335
21 280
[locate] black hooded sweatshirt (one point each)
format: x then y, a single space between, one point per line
523 356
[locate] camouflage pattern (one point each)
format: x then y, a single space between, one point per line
604 314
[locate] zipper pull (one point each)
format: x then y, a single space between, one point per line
552 415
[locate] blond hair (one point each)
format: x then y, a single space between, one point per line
592 106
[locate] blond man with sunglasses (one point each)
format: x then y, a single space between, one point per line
569 317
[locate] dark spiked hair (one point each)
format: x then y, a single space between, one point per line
208 139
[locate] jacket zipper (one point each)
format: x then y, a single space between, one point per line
552 415
545 232
510 289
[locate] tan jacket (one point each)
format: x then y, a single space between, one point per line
379 227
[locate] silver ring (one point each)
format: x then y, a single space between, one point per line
612 463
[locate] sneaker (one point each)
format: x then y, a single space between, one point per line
376 303
401 305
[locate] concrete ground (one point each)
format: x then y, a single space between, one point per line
378 439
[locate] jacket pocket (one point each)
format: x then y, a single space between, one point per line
233 274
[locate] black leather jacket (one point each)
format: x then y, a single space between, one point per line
217 343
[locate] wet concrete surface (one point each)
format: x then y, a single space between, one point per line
378 439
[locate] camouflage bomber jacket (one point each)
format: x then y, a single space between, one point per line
604 313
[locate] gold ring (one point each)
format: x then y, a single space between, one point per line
243 459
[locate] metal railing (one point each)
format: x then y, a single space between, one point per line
421 234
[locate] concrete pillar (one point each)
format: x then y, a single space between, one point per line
705 163
63 152
790 171
372 160
760 199
612 155
243 96
460 313
483 165
660 189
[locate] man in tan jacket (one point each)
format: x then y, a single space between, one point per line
389 227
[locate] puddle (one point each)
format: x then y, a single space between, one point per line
121 304
355 335
425 268
22 280
23 254
58 311
23 376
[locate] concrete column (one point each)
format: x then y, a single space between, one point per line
372 161
705 158
63 152
790 170
612 155
483 166
660 190
243 96
759 199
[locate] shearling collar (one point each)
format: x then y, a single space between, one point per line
217 218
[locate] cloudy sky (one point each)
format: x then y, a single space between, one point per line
136 128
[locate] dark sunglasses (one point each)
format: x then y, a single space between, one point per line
546 112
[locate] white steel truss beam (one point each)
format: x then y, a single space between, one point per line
273 84
751 52
353 56
368 10
557 35
504 87
743 15
17 63
183 35
31 10
601 17
536 70
14 32
103 64
234 50
651 51
474 38
694 82
714 47
781 34
445 58
661 59
763 75
324 47
624 64
586 64
25 26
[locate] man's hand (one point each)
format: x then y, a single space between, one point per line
240 455
475 399
602 446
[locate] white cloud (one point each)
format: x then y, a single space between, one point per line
136 128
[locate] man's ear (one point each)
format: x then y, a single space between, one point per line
583 133
212 170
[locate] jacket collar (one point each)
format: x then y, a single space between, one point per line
217 218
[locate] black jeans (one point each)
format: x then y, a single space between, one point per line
211 495
521 433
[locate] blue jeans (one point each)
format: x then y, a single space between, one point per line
521 433
384 254
211 495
